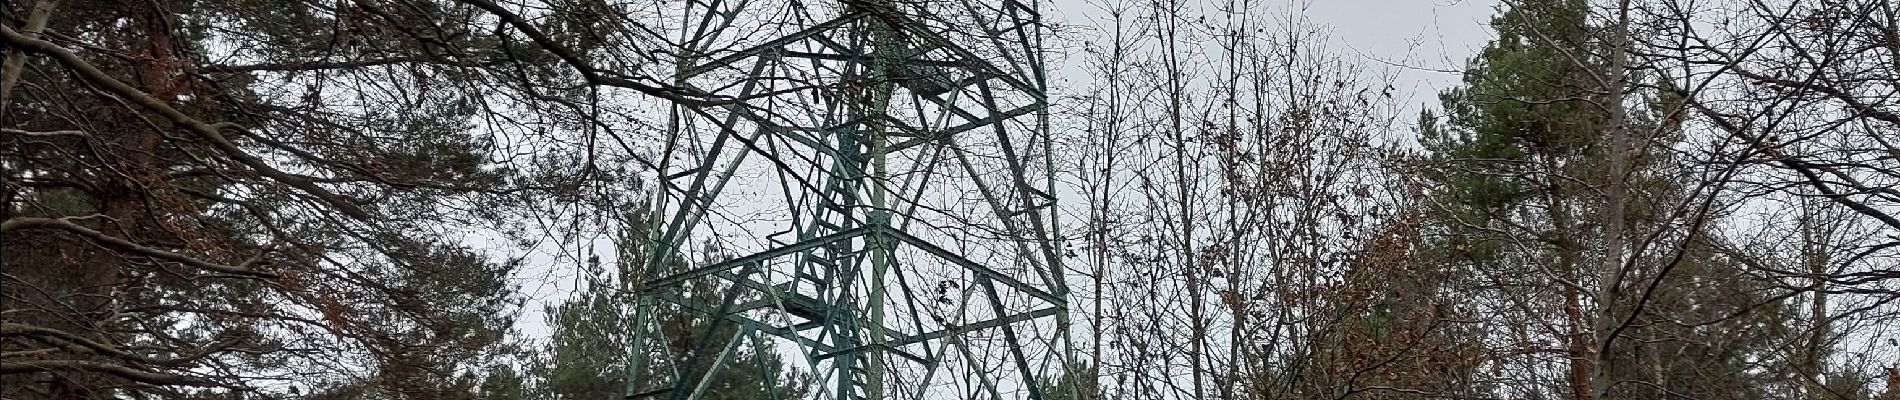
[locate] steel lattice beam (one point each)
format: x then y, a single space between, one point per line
858 117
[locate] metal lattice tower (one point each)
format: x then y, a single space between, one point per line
886 176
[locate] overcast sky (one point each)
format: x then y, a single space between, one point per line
1420 41
1420 38
1434 34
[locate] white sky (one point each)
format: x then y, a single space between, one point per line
1419 41
1416 39
1427 34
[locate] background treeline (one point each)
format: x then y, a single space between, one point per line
1635 199
1628 200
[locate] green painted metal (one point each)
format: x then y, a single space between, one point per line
864 267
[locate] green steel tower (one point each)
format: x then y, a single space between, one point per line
882 169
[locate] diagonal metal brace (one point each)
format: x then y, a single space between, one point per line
670 282
971 265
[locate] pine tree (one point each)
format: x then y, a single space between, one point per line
586 357
1076 381
208 198
1518 168
1506 164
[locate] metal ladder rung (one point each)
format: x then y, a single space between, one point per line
804 307
651 393
683 174
1027 210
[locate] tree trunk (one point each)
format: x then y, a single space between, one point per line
1615 196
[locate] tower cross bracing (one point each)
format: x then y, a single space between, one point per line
884 174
